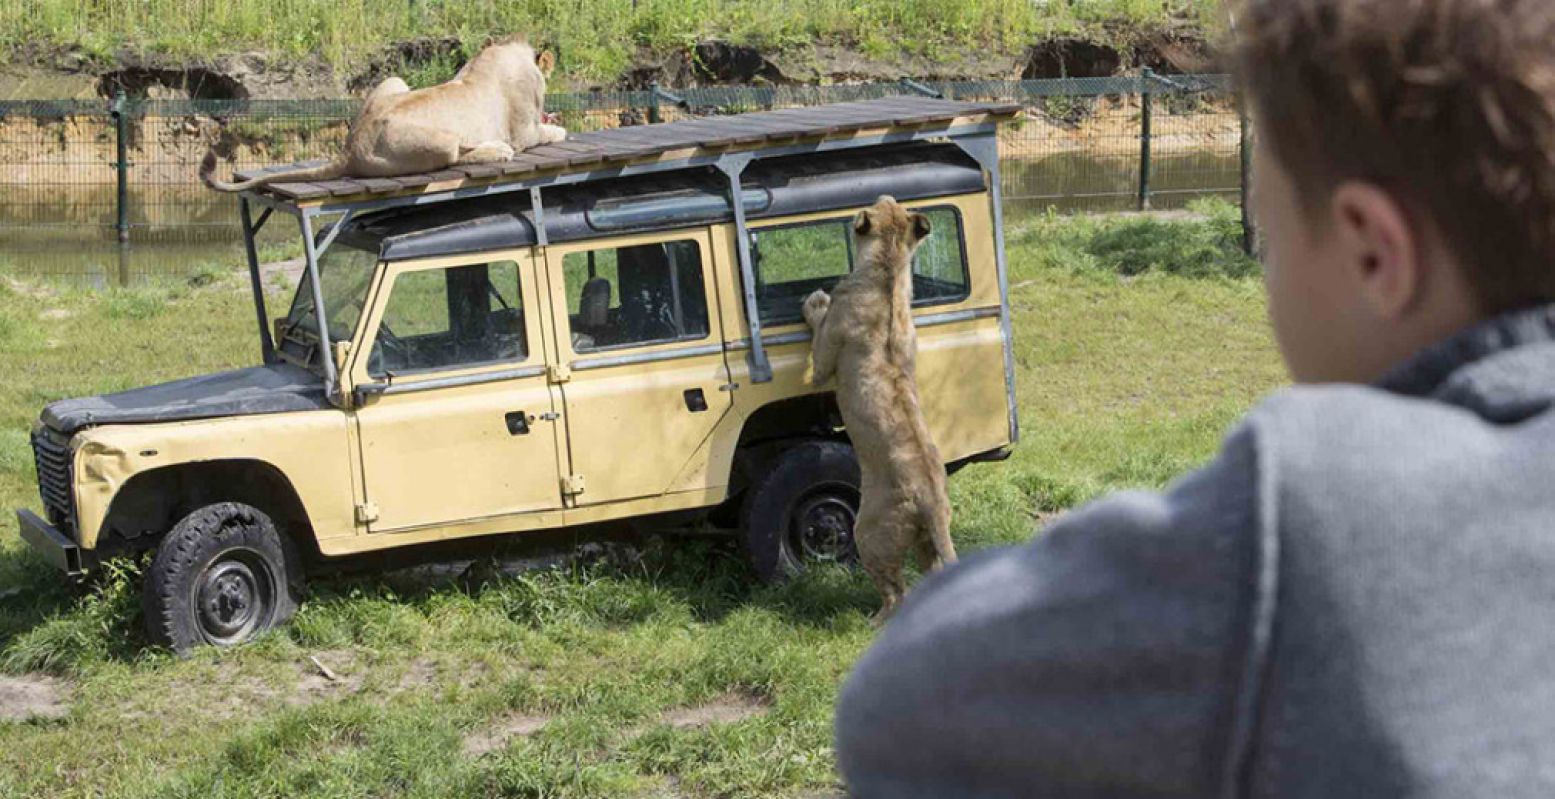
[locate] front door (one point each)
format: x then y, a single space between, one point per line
459 422
642 372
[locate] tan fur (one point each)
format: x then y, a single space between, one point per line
864 335
490 110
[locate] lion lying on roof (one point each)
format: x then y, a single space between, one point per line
490 110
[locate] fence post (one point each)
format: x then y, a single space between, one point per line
653 103
1146 112
122 166
1249 229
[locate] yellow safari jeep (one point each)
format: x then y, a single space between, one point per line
601 329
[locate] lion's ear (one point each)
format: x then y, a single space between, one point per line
546 61
920 227
862 223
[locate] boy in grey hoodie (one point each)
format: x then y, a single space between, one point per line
1357 597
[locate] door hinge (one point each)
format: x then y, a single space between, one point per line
366 513
572 485
559 372
550 416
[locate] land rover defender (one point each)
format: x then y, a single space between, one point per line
602 329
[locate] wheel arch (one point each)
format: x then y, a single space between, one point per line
774 427
151 502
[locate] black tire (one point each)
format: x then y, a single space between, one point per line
801 510
222 576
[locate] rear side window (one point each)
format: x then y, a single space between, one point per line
633 296
793 261
939 270
450 318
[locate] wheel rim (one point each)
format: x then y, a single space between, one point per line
234 597
821 525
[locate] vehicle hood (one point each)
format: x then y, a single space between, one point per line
277 388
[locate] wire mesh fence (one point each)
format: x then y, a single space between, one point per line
77 178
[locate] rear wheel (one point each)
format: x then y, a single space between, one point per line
802 510
222 576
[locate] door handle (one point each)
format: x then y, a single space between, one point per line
696 401
518 423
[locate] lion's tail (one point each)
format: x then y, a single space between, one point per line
329 171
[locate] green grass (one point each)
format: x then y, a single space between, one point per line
1124 381
594 38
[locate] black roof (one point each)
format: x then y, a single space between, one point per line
771 188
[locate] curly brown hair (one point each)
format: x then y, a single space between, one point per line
1448 104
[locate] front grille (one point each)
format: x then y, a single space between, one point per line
51 454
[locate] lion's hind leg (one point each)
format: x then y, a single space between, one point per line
551 134
408 148
882 537
485 153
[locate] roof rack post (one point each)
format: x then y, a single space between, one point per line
984 148
537 218
305 221
734 165
266 342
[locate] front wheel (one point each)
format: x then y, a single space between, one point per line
802 510
222 576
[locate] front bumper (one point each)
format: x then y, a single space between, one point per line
54 546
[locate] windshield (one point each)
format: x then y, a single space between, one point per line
344 273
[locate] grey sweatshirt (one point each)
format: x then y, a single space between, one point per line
1356 598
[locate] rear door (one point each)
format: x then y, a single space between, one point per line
458 423
640 364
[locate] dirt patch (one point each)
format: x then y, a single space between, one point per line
56 314
726 709
339 676
287 273
401 57
171 83
1072 58
32 697
510 726
32 290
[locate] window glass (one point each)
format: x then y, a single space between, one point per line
629 296
446 318
939 269
793 261
344 274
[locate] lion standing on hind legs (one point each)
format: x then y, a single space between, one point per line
491 109
864 335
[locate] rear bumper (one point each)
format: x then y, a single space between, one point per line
54 546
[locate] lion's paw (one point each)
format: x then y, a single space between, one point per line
816 306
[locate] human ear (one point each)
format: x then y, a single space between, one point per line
862 224
1380 248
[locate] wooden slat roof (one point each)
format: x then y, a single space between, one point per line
621 146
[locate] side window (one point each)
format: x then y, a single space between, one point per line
448 318
629 296
939 270
793 261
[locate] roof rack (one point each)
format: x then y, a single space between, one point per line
726 143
